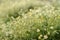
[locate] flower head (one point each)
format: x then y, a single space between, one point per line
38 30
45 36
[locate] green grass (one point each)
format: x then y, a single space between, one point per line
29 20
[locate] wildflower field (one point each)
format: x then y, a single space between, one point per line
29 19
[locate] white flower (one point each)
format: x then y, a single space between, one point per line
38 30
40 36
51 27
45 36
30 9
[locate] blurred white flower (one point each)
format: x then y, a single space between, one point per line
40 36
30 9
38 30
45 36
51 27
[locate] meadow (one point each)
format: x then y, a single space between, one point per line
29 20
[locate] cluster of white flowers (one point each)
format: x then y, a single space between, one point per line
44 37
40 36
39 20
